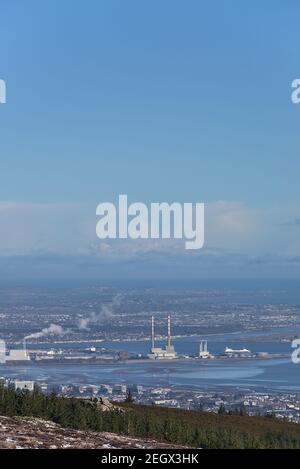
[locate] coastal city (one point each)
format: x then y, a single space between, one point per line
283 406
177 349
124 314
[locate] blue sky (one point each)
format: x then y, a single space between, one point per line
162 100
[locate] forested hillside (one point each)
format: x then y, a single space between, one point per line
182 427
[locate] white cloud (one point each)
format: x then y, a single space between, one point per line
69 229
32 229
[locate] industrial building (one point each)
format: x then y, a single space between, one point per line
203 350
166 353
19 355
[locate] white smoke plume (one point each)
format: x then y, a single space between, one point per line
53 329
105 313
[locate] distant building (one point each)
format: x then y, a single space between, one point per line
203 350
106 388
121 388
29 385
19 355
168 352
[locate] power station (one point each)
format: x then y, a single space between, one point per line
157 353
203 350
18 355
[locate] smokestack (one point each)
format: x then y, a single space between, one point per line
152 332
169 330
